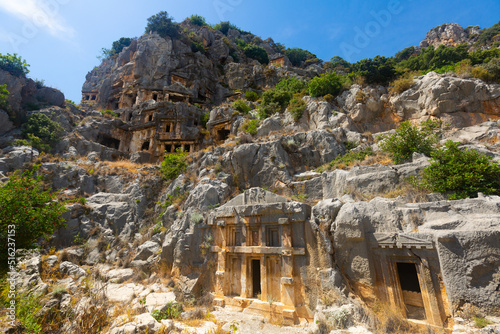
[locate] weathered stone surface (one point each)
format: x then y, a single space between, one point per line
450 34
16 156
158 300
5 124
459 102
147 249
465 234
120 275
72 269
123 293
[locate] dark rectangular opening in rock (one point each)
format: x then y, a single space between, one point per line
256 291
411 292
93 98
272 236
167 128
223 134
145 146
108 141
155 97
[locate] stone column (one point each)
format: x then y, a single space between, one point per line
263 278
244 286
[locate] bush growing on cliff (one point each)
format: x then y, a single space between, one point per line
162 23
462 173
297 56
4 95
328 83
28 212
251 96
13 64
173 165
296 108
241 106
42 132
409 139
198 20
256 52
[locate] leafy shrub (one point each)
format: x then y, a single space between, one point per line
280 97
116 47
409 139
241 106
205 117
269 109
493 68
198 20
197 47
488 35
162 23
296 108
256 52
197 218
292 85
361 97
401 84
41 131
173 165
297 56
251 96
223 27
4 95
329 98
109 113
172 310
250 126
463 173
27 210
328 83
13 64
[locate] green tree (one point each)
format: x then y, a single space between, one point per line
4 95
162 23
41 131
256 52
198 20
14 64
297 56
296 108
28 212
462 173
173 165
120 44
328 83
281 97
241 106
409 139
292 85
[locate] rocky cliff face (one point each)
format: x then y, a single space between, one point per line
450 34
153 63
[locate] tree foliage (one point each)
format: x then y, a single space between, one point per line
297 56
256 52
328 83
4 95
488 34
409 139
163 24
14 64
198 20
27 209
462 173
292 85
173 165
42 132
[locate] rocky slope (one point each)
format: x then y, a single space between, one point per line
136 243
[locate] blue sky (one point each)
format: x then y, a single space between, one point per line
60 39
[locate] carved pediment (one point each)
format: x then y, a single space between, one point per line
403 240
256 196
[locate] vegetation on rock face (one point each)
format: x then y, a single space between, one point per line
488 34
250 126
241 106
198 20
28 212
14 64
328 83
163 24
409 139
173 165
251 96
4 95
42 132
171 310
297 56
462 173
256 52
296 108
116 47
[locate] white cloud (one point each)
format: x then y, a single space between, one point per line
43 14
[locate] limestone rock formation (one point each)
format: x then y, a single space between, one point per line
450 34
